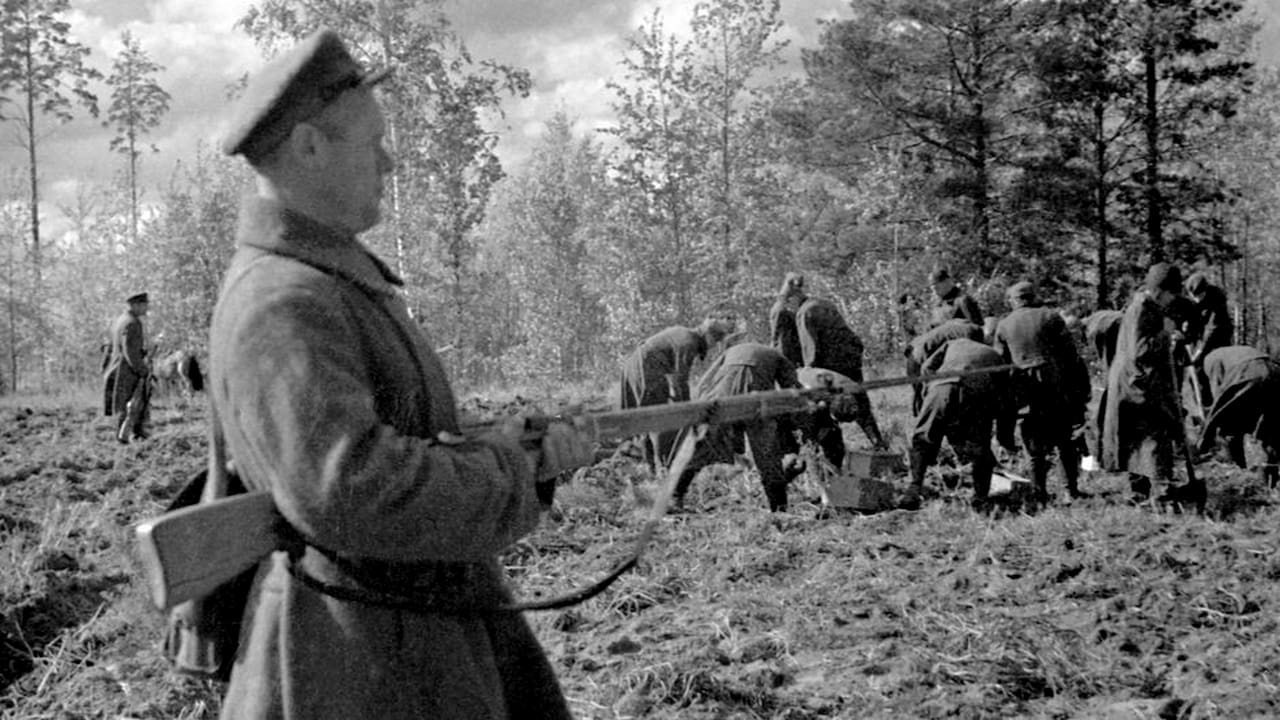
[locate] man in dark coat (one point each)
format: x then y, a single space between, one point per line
1246 388
1143 413
783 334
952 302
125 391
961 411
658 372
331 399
743 368
1050 382
923 346
828 342
1211 328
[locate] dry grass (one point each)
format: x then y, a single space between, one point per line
1089 610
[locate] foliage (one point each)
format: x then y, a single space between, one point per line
437 105
137 105
693 161
539 230
44 68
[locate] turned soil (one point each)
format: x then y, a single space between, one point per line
1092 609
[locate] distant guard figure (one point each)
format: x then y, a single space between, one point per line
125 391
743 368
1143 416
828 342
658 372
1050 381
1246 385
783 334
961 411
923 346
952 302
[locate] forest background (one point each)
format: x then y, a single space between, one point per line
1070 142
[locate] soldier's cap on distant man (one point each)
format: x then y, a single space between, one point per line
1023 291
1197 282
290 89
137 298
1164 276
939 275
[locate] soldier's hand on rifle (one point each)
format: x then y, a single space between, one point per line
556 448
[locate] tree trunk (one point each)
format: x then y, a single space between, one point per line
1155 241
1100 206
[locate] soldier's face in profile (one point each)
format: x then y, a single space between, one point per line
358 161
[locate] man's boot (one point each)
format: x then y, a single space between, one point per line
921 456
132 424
1139 488
776 494
1040 479
872 430
982 468
1189 494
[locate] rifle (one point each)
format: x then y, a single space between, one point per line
189 552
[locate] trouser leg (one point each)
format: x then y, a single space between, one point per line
1235 449
983 464
922 455
717 446
872 430
764 442
1069 457
647 450
1271 471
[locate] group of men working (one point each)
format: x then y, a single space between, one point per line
1026 371
806 332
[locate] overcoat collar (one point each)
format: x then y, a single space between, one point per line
267 225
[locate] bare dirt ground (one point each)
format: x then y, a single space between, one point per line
1090 610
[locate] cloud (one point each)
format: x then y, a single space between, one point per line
571 48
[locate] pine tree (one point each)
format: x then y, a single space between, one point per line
137 105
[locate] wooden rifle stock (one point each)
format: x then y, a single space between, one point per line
187 553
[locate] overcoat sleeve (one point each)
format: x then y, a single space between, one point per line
303 395
133 345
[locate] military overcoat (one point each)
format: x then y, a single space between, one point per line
331 399
127 365
1141 418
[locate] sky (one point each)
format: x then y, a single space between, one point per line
570 47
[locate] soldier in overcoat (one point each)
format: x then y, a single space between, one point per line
783 334
827 342
1050 384
743 368
331 398
658 372
1246 386
125 378
1143 416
